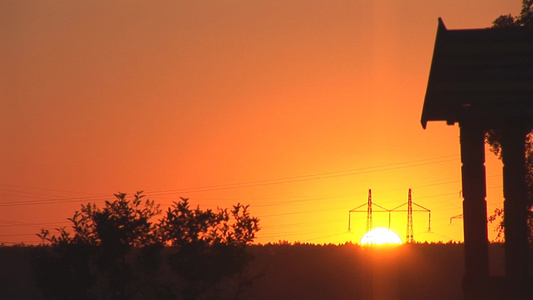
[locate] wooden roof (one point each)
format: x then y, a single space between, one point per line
483 75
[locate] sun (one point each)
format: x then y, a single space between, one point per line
380 236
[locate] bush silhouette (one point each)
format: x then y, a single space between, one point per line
119 252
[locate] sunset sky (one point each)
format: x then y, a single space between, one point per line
296 108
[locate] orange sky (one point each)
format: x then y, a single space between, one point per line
294 107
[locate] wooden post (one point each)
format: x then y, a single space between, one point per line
515 211
474 211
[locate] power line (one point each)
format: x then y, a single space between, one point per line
53 201
46 189
7 223
318 176
381 168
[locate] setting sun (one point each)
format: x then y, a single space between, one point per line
380 236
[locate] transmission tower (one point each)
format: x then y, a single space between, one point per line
409 236
410 210
369 224
456 217
369 211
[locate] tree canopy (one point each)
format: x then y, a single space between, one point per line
525 19
494 137
121 251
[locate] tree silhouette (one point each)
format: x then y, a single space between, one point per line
525 19
117 252
207 246
63 271
494 137
95 258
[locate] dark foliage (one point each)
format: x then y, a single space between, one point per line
524 19
506 21
494 137
118 252
63 272
207 246
498 218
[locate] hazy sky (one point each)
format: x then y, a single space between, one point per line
294 107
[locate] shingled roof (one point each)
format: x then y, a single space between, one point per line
480 74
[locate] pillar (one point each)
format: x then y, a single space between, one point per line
515 211
474 210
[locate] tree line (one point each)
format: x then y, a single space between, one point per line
121 251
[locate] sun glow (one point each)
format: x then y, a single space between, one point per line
380 236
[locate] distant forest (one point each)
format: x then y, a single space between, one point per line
306 271
120 252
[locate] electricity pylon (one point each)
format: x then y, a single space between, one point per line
456 217
369 211
409 203
369 224
409 238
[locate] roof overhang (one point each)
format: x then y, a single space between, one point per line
480 74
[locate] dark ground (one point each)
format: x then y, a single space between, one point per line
420 271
